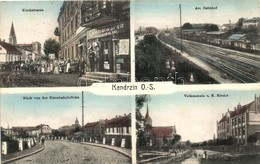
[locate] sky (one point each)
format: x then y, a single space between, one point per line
163 13
29 26
195 118
17 111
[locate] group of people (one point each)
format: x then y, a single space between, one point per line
47 67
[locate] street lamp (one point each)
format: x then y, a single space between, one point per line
175 76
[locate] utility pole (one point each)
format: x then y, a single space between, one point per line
82 109
180 26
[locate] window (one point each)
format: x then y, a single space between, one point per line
127 129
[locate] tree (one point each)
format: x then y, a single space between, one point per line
51 46
140 100
211 27
176 139
187 26
239 25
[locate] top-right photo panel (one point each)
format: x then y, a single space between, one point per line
197 42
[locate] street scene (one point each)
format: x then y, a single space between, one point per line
204 42
64 43
65 127
198 127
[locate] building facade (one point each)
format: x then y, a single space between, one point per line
31 131
9 53
252 22
96 32
240 123
115 131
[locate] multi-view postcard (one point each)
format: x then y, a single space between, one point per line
64 43
197 42
130 81
65 127
198 127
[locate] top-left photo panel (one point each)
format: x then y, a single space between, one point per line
64 43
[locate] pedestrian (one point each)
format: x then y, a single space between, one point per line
42 140
68 66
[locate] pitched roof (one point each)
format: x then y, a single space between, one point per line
27 128
119 121
236 36
164 131
243 109
223 119
90 124
10 48
216 32
237 112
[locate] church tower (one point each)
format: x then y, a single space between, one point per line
147 118
12 36
76 121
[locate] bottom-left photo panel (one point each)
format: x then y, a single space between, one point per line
65 127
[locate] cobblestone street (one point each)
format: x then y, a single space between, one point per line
73 153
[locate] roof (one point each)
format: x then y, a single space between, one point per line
223 119
193 30
91 124
27 128
237 112
164 131
252 19
10 48
243 109
119 121
236 36
216 33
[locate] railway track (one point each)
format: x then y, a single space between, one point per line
218 62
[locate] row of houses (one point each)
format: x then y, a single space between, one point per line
116 131
28 131
241 122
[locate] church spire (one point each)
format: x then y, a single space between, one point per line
147 112
12 36
147 118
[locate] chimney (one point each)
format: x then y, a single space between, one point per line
3 40
228 109
124 114
222 115
116 116
235 108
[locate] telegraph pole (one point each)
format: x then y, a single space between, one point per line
180 26
82 109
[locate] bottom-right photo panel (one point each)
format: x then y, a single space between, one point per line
195 127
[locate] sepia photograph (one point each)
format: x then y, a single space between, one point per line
197 42
65 127
196 127
64 43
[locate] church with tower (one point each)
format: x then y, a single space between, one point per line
154 135
11 51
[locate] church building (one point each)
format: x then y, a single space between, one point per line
155 135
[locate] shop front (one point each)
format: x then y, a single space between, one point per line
109 48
